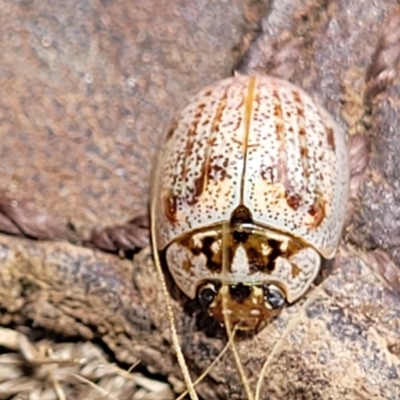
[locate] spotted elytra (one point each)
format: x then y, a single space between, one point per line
251 193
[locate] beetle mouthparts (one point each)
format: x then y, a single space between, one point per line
243 305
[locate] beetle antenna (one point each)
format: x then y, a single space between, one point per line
168 303
227 322
211 366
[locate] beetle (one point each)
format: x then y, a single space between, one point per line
251 191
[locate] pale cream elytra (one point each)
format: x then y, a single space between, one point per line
260 154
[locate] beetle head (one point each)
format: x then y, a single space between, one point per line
244 305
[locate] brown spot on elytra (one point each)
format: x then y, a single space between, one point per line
267 174
172 129
217 173
238 122
199 183
304 151
296 97
317 211
278 114
295 270
282 177
331 138
187 265
278 110
300 112
299 108
293 200
191 134
279 130
211 141
170 207
218 115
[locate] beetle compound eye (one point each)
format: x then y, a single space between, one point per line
207 295
274 297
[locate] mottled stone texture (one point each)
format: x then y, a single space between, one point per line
89 86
